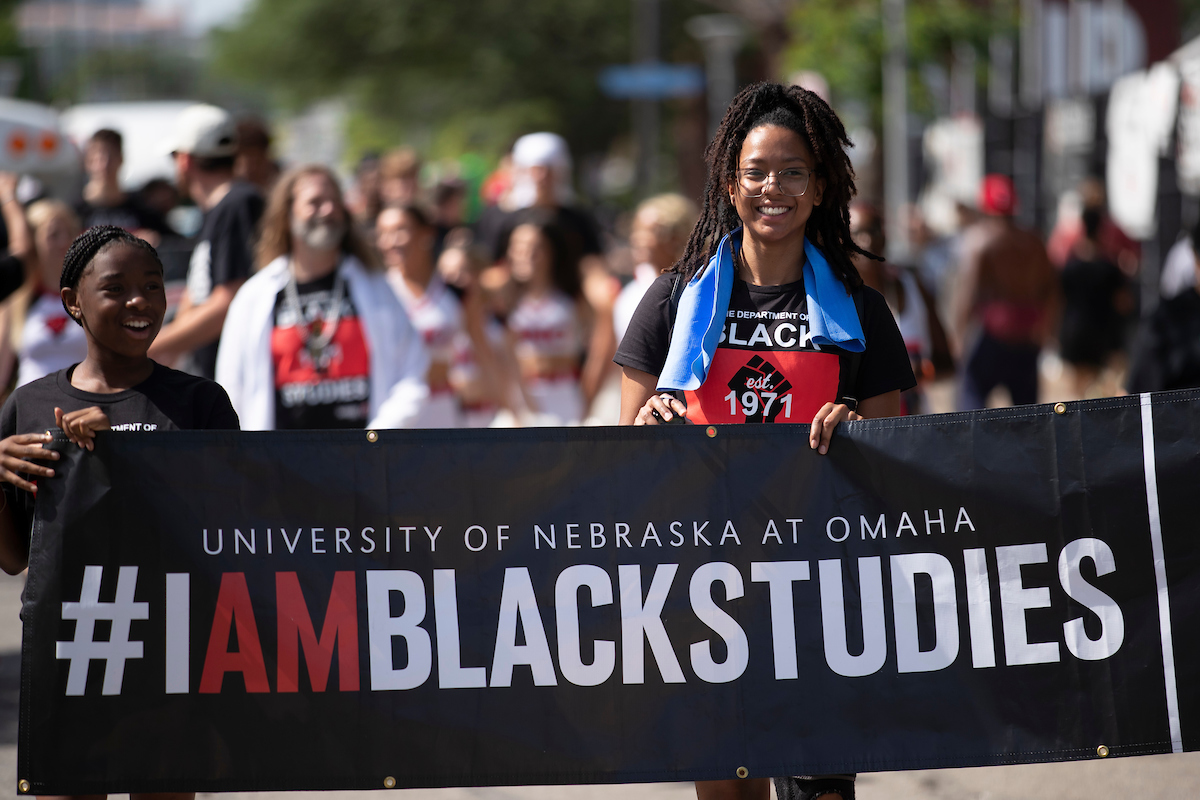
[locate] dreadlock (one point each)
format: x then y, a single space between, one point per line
809 116
87 246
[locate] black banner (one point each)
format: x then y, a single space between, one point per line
226 612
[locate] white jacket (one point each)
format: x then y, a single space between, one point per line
398 359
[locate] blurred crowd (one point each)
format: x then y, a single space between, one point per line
384 302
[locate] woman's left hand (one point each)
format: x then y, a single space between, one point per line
824 422
81 426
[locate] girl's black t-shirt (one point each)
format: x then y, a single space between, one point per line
766 367
169 400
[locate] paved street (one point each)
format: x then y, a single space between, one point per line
1144 778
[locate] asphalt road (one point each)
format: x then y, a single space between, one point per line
1174 777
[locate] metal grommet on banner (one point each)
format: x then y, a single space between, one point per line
1060 408
1102 751
742 772
712 432
389 782
372 437
22 786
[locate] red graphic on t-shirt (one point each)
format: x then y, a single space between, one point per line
765 386
344 357
56 324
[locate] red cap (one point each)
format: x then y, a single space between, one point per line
997 196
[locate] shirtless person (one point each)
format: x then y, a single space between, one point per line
1006 295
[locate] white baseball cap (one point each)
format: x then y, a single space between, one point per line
206 132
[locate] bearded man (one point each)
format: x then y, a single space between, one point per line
317 338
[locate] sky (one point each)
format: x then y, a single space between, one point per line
200 15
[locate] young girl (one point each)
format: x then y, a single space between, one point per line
546 325
405 237
111 286
773 324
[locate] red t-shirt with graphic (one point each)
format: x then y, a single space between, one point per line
315 388
766 367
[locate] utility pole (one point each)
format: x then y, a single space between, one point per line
646 112
895 127
720 35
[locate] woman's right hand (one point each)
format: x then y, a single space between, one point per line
15 454
666 405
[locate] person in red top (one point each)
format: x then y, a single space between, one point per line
778 168
784 187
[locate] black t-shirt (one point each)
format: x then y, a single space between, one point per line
766 368
319 387
12 275
224 253
169 400
1091 326
129 214
1167 352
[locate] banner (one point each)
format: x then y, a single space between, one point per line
218 611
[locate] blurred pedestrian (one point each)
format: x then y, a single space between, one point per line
204 150
160 196
317 338
254 163
1005 300
400 177
362 198
547 323
17 264
1114 243
1166 353
405 237
542 165
1096 300
449 210
104 201
657 238
483 373
910 303
37 336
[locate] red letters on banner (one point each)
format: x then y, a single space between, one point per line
295 625
233 608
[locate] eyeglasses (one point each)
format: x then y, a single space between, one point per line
790 182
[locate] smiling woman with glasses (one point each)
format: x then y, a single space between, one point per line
765 319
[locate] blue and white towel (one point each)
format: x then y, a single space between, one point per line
832 316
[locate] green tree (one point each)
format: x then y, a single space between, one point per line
843 40
475 74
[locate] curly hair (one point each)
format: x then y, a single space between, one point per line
810 117
275 237
87 246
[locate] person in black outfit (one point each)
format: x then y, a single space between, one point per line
112 285
1166 354
223 257
104 202
1095 301
779 183
15 266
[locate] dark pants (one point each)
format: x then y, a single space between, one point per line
811 787
995 363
